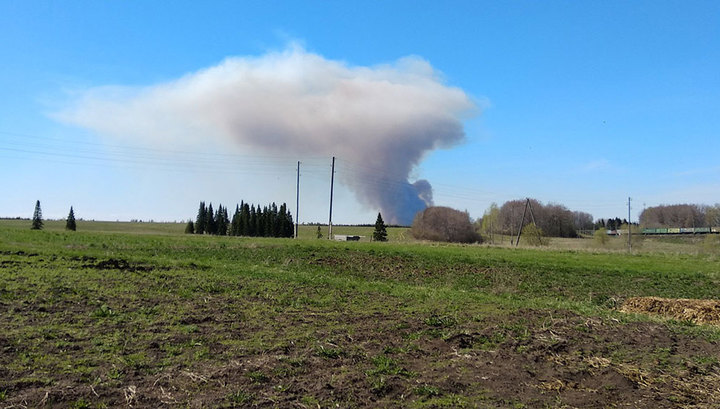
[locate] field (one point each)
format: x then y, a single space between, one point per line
306 231
124 316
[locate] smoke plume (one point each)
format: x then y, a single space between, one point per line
379 120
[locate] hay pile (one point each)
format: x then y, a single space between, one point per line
697 311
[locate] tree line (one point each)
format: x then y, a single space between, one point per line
554 220
612 224
681 215
247 220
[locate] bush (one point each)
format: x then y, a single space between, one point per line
534 236
600 237
444 224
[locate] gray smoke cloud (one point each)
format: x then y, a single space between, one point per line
379 120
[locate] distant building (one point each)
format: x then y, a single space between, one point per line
345 237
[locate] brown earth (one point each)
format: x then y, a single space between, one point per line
536 359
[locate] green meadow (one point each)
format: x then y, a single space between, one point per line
141 315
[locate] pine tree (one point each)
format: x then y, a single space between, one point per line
284 222
210 226
37 223
220 225
200 222
189 227
252 222
319 233
245 220
70 223
235 223
289 225
274 224
223 221
260 222
380 233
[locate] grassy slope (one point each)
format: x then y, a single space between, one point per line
145 307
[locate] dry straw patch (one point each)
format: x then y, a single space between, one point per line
697 311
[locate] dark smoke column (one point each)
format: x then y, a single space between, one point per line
411 199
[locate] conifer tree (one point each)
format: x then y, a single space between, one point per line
220 228
380 233
70 223
223 221
319 233
37 223
260 222
281 226
245 220
200 222
272 221
190 227
289 225
252 222
210 227
235 223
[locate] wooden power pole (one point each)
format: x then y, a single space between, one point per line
297 202
528 205
332 183
629 228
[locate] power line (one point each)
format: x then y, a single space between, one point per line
74 151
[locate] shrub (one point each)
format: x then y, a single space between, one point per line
444 224
534 236
600 237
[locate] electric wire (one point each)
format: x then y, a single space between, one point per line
76 151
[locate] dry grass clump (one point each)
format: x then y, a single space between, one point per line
697 311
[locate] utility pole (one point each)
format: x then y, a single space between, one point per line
528 205
629 227
517 240
532 215
297 202
332 183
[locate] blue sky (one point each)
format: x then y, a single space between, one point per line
579 103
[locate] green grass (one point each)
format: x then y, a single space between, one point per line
580 277
143 304
401 234
396 234
101 226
